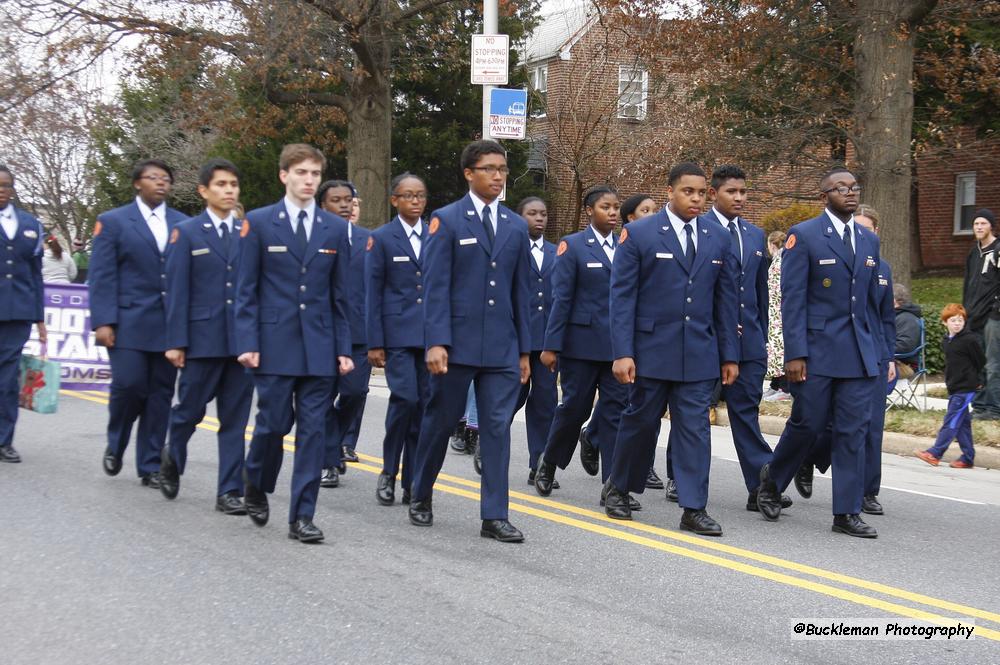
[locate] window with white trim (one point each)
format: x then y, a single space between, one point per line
539 80
633 92
965 202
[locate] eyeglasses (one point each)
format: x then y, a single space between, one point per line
410 196
491 170
842 190
157 178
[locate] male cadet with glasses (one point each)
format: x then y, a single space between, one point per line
394 272
674 305
202 264
343 422
128 290
829 275
477 328
21 303
293 330
728 189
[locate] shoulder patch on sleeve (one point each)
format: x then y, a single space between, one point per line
371 243
244 228
435 225
98 227
790 242
623 237
561 249
174 235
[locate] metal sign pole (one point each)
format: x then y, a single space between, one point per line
491 26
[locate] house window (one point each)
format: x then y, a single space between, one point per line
539 86
633 91
965 202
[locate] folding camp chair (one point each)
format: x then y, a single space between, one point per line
913 393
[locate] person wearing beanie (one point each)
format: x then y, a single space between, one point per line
981 299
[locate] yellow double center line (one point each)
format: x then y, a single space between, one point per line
692 547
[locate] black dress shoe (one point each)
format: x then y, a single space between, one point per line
230 503
471 441
671 490
348 454
871 506
633 503
256 502
111 462
531 480
853 526
457 440
477 460
786 501
385 491
170 478
304 531
590 457
330 477
768 498
9 455
804 480
544 477
616 503
698 521
421 513
341 469
501 530
405 499
653 481
152 480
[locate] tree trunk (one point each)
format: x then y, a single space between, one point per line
883 116
369 136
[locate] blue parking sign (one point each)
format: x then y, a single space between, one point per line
508 113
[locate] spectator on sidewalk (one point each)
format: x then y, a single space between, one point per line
908 315
58 267
81 257
963 366
778 390
981 298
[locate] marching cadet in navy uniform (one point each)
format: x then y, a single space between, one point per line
729 190
829 275
578 337
394 273
202 265
293 330
674 305
539 395
21 303
344 418
128 289
477 328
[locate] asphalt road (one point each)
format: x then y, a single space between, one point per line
101 570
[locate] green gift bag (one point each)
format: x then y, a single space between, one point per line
38 381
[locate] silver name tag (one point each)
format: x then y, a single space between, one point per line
664 255
827 262
277 248
199 252
467 241
400 259
595 265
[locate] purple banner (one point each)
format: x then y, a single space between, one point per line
85 365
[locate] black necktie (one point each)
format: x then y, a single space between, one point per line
487 222
300 232
416 248
689 250
225 238
736 241
848 247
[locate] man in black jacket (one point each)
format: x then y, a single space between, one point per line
981 298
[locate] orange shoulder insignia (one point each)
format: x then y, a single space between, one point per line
561 249
623 237
435 225
371 243
98 227
244 228
790 242
174 235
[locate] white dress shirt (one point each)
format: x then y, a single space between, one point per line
293 214
678 225
727 223
538 251
413 234
480 204
9 221
607 243
838 227
156 220
218 222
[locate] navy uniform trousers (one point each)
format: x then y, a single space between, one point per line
408 380
538 397
496 395
13 336
343 420
231 386
142 385
581 380
743 406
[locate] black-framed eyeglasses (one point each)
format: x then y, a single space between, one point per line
843 190
410 196
491 170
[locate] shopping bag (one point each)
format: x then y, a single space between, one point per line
38 381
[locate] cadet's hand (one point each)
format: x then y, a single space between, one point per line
525 364
892 371
624 370
550 359
729 373
345 364
176 357
250 359
796 370
43 334
376 357
437 360
105 336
